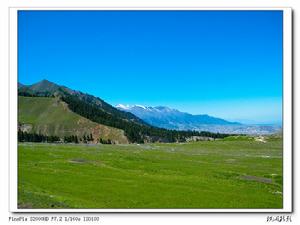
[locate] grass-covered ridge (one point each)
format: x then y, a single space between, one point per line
208 174
51 116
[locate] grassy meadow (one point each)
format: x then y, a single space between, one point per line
229 173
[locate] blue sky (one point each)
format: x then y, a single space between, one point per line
223 63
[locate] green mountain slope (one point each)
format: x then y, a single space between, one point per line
48 88
51 116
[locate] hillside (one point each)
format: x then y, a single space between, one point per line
51 116
48 88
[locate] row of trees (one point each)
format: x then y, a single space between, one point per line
35 94
103 141
34 137
74 139
71 139
87 138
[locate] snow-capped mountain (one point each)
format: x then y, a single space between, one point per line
165 117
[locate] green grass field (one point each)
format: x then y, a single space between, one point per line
230 173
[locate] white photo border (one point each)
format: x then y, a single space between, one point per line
287 113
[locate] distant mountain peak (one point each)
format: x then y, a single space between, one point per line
121 106
165 117
157 109
128 107
165 109
141 106
145 108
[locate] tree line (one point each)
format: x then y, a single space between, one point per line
34 137
35 94
24 136
107 142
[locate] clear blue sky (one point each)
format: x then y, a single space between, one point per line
222 63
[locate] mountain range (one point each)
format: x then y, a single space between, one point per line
165 117
47 108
